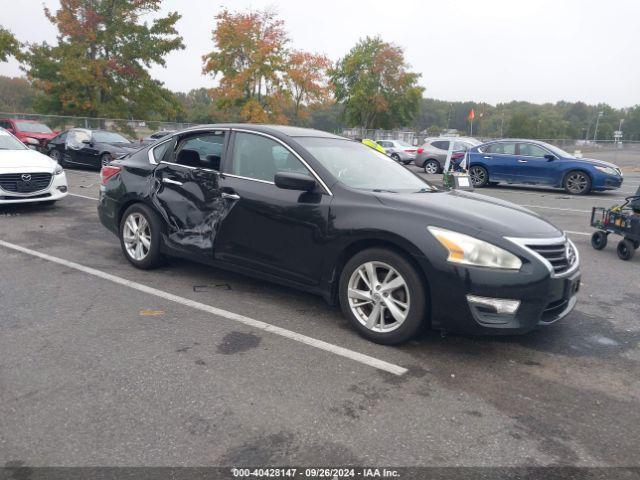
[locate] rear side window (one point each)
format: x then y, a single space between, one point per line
441 144
203 150
260 158
506 148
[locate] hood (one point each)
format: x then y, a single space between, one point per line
25 160
469 213
600 163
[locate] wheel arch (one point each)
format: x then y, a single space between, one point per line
390 242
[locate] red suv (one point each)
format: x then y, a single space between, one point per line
33 134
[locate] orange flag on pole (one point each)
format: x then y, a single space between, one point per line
471 115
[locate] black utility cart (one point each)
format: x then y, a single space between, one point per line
622 220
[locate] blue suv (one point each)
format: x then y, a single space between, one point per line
537 163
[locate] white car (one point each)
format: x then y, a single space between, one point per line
28 176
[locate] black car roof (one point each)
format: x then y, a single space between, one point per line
287 130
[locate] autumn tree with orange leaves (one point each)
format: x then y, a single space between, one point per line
259 79
99 67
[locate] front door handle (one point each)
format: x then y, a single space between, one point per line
230 196
172 182
487 157
522 161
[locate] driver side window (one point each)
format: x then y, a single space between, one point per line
260 158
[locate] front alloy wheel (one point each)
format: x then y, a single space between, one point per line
383 296
378 297
577 183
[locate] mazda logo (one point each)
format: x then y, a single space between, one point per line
26 177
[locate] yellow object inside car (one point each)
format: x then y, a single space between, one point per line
371 143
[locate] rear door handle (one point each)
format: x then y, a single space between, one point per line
230 196
522 161
488 158
172 182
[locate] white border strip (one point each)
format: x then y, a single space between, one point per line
329 347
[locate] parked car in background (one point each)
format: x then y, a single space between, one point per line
89 148
533 162
27 176
34 135
155 136
398 150
433 153
333 217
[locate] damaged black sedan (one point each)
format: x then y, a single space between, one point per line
333 217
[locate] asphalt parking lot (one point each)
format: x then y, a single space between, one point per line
99 372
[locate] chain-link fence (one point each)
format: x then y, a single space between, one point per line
135 129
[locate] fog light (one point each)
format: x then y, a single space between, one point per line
495 305
62 188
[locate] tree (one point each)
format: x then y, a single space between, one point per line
306 77
374 85
16 95
9 46
250 57
99 66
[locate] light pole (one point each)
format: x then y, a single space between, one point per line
595 132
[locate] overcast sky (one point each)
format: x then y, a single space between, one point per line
482 50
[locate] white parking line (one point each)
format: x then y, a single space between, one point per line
83 196
329 347
557 208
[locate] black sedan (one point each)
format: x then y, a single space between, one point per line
89 148
331 216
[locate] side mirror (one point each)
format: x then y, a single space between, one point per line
294 181
549 157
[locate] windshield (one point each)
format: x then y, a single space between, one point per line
33 127
557 151
8 142
358 166
108 137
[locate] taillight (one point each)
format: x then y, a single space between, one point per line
107 172
420 150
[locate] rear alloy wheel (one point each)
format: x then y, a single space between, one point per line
577 183
626 249
599 240
396 157
105 159
383 296
431 167
479 176
140 236
55 155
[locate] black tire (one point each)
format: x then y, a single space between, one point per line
417 298
577 182
396 157
479 176
626 249
105 159
153 258
599 239
56 156
431 167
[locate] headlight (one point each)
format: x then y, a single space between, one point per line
58 170
31 141
471 251
607 170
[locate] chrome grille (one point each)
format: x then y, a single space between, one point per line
561 255
24 182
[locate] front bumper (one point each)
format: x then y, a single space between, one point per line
56 190
607 182
544 297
